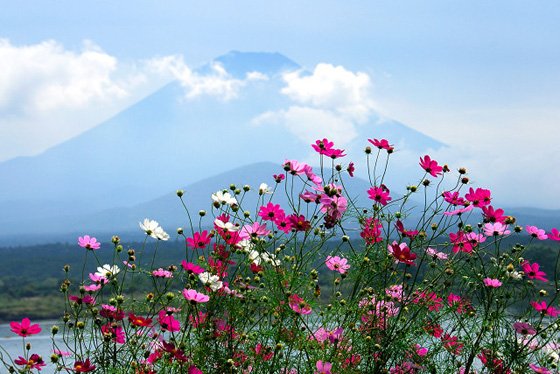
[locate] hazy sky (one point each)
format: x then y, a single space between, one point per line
481 76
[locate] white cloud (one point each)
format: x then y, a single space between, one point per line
333 88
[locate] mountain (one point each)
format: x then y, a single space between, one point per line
166 141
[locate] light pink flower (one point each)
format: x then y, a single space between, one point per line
496 229
435 254
88 242
195 297
554 235
337 264
323 367
491 282
298 305
535 232
161 273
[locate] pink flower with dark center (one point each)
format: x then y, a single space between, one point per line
33 362
554 235
379 195
540 306
431 166
479 197
271 212
491 215
382 144
294 167
460 242
405 233
162 273
402 253
115 333
299 223
25 328
496 229
535 232
322 145
337 264
371 231
458 212
334 206
253 231
395 292
453 198
452 344
435 254
351 169
84 366
192 268
167 322
278 178
199 240
298 305
88 242
492 282
524 328
532 271
323 367
87 299
195 297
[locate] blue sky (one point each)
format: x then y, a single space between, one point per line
482 76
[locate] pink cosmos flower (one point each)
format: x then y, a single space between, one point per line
278 178
458 212
271 212
524 328
479 197
84 366
371 231
382 144
395 292
294 167
323 367
325 147
33 362
299 222
460 242
431 166
334 206
199 240
496 229
25 328
532 271
554 235
435 254
491 215
402 253
540 306
254 230
535 232
194 370
298 305
168 322
116 333
452 344
405 233
88 242
351 169
379 195
192 268
86 299
161 273
337 264
492 282
195 297
453 198
539 369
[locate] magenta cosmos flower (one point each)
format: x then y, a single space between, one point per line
532 271
199 240
88 242
84 366
479 197
539 369
535 232
554 235
162 273
195 297
382 144
402 253
192 268
299 305
337 264
492 282
379 195
325 147
33 362
540 306
524 328
430 166
323 367
25 328
271 212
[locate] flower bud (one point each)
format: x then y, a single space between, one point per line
180 193
54 330
367 150
179 231
246 188
115 239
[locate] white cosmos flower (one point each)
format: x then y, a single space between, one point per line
212 281
515 275
245 245
152 228
264 188
258 258
222 197
228 226
107 271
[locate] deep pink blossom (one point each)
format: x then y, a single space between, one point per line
33 362
379 195
323 367
532 271
84 366
371 231
351 169
25 328
299 222
86 299
535 232
430 166
337 264
554 235
460 242
199 240
541 306
492 282
402 253
539 369
453 198
479 197
493 215
405 233
382 144
192 268
271 212
167 322
452 344
278 178
88 242
325 147
115 333
524 328
298 305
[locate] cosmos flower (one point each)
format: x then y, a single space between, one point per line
25 328
88 242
